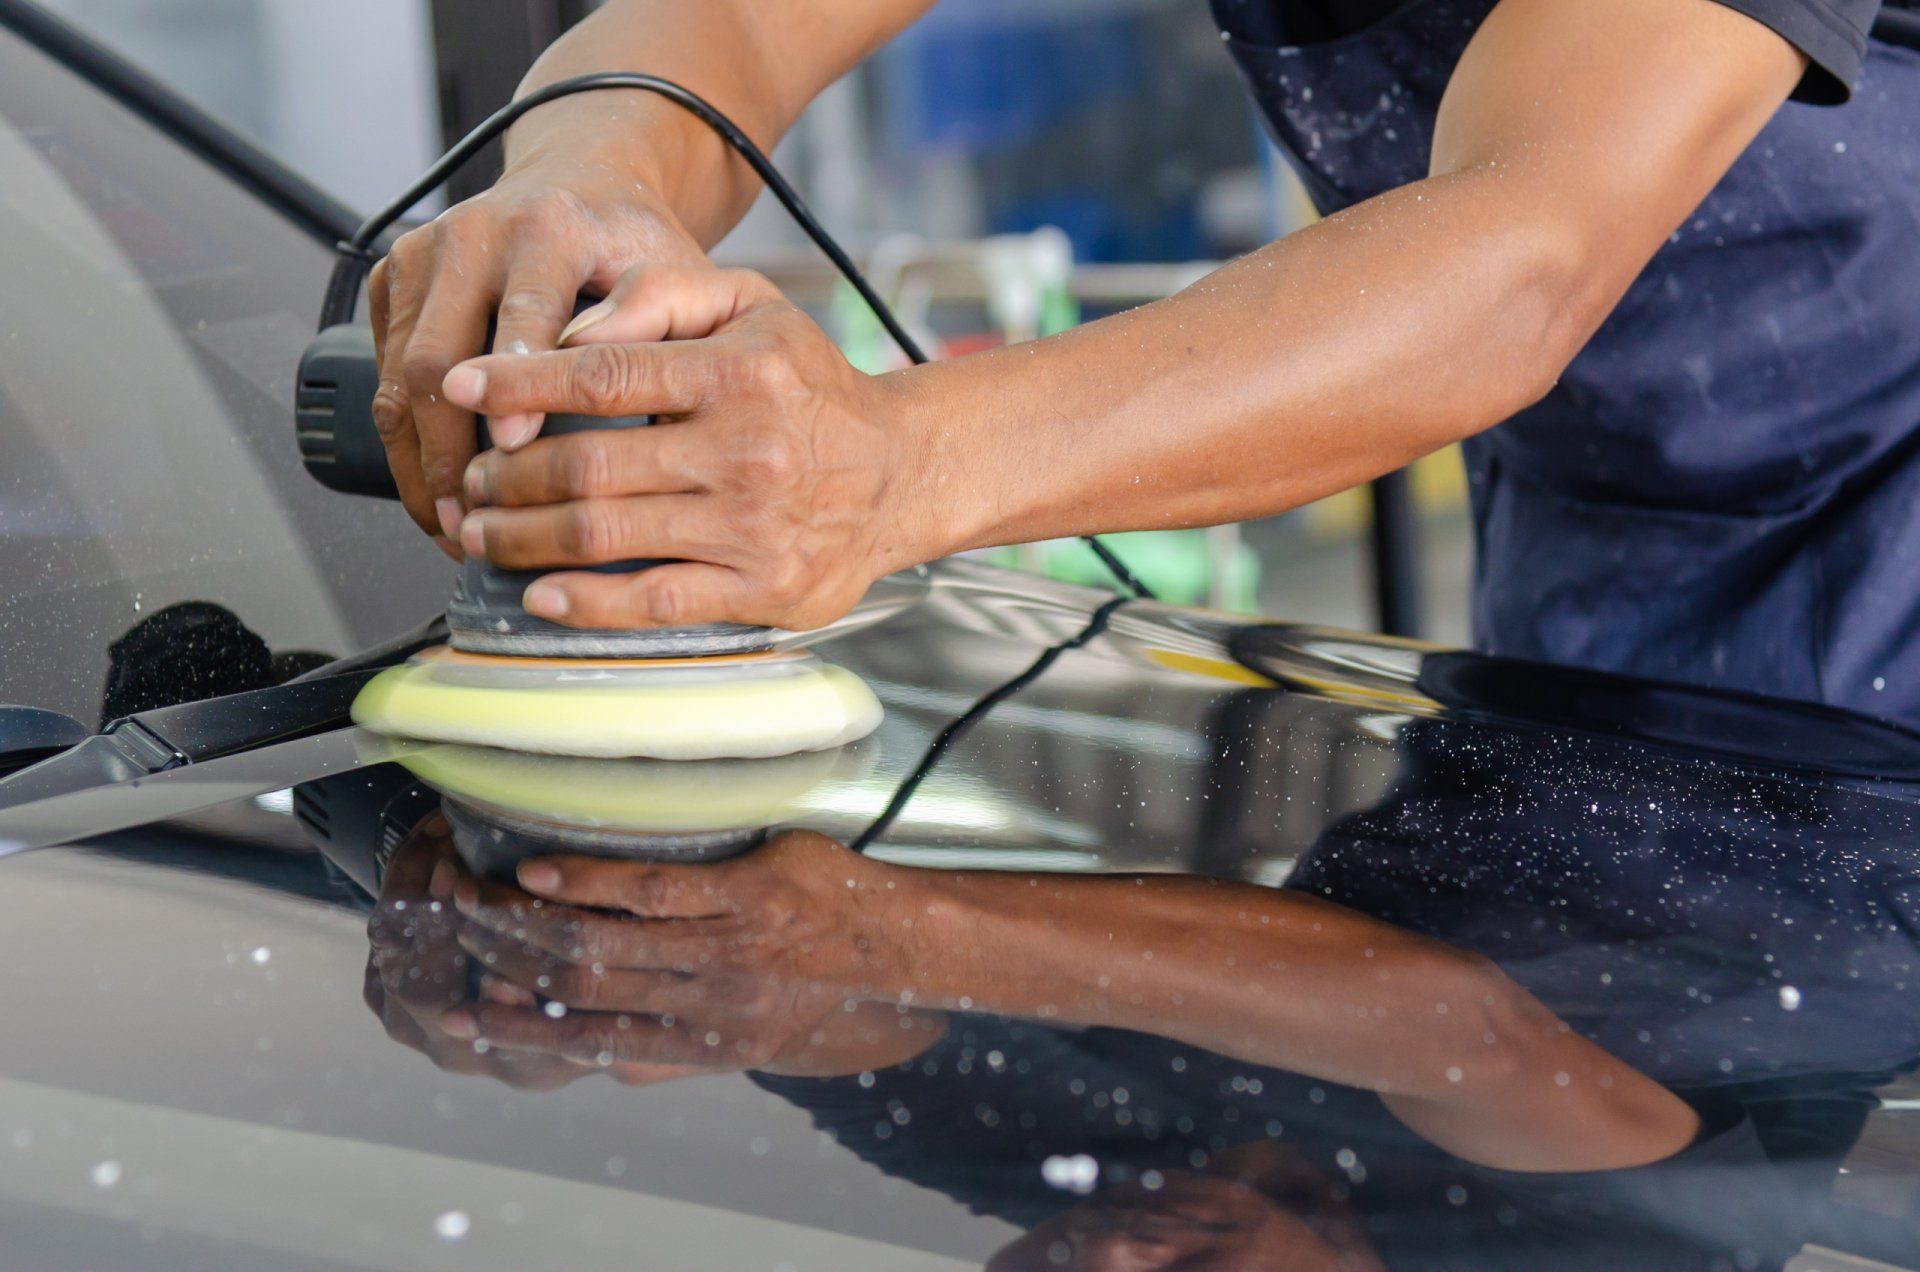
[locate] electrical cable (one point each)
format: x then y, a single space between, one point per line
358 254
936 751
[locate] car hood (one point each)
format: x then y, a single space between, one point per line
193 1080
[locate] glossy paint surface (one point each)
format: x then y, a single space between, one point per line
1733 923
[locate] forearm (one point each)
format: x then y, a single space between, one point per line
1332 356
759 61
1272 977
1409 321
1466 1057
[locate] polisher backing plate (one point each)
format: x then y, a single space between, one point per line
654 796
744 706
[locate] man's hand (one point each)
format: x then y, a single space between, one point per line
778 477
525 250
418 976
766 962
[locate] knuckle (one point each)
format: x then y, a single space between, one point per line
586 466
524 303
783 579
766 458
599 378
391 418
643 893
424 367
575 986
409 249
666 603
690 379
589 531
771 371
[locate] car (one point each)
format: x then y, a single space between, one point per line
1136 935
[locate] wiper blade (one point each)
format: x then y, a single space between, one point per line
29 735
172 737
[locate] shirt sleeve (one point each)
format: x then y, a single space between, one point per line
1832 33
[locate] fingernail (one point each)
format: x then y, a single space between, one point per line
451 514
440 883
547 600
538 876
473 483
506 993
460 1024
473 534
587 318
465 385
466 896
511 432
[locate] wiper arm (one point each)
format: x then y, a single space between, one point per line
173 737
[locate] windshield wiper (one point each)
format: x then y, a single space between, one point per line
173 737
165 738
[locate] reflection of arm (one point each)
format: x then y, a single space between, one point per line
1460 1053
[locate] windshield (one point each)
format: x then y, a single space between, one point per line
152 317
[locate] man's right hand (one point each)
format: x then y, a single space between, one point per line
525 250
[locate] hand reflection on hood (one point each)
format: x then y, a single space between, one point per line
650 972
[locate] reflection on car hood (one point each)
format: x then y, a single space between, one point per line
1717 891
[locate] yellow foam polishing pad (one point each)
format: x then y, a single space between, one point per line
641 795
748 706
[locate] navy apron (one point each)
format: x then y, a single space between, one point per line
1724 488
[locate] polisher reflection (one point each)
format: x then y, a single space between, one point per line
507 806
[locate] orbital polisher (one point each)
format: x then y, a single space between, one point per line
511 679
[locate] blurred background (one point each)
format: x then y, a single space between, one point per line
1006 169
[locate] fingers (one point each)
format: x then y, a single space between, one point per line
452 323
678 595
605 1039
599 380
595 531
395 294
535 305
645 461
655 303
644 888
523 970
583 937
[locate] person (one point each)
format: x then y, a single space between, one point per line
1655 262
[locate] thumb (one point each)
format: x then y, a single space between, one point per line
668 302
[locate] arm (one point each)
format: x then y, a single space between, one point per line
1571 141
1459 1052
594 185
759 61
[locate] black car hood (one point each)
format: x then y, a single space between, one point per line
192 1073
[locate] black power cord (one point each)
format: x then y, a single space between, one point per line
358 254
944 742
